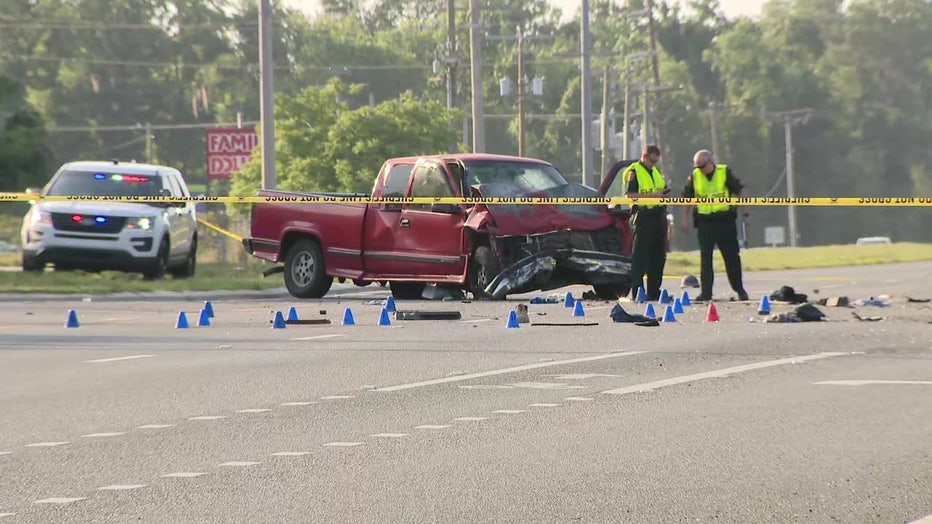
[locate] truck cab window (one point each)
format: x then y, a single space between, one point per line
430 180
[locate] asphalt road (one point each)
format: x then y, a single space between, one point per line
126 418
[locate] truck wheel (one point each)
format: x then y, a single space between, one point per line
407 290
483 268
611 291
305 275
160 265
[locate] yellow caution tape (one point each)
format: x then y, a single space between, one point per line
324 199
220 230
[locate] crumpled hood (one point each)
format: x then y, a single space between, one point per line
530 219
121 209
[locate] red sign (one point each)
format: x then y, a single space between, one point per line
227 150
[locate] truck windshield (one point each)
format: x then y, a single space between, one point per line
503 178
91 183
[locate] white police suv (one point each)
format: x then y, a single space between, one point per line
149 238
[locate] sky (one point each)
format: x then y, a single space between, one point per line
732 8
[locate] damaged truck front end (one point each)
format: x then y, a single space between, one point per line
548 246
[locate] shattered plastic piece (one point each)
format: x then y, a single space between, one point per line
782 318
866 319
545 300
872 301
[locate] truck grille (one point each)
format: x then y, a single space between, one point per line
87 224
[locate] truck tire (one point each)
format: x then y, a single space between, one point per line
483 268
611 291
407 290
305 275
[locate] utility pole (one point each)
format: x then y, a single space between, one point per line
148 143
789 119
475 52
606 96
586 97
451 55
713 125
626 127
655 71
522 85
267 101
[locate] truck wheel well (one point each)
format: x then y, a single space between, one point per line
290 239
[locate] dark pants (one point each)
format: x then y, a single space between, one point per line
649 252
724 234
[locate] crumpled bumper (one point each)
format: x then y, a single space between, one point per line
557 268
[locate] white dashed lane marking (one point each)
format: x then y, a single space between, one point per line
509 411
59 500
298 403
255 410
342 444
431 426
46 444
319 337
121 487
183 475
650 386
291 453
543 405
237 464
337 397
102 435
209 417
155 426
503 371
7 514
578 399
116 359
390 435
471 419
6 452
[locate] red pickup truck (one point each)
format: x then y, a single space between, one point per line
489 250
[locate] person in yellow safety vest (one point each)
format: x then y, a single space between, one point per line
648 223
716 223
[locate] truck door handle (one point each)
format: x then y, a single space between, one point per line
405 222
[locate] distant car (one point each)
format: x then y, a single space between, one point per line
873 240
149 238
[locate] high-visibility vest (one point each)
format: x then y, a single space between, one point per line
715 188
648 182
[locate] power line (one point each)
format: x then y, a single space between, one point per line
140 127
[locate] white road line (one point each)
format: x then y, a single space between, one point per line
509 411
7 514
578 399
650 386
543 405
337 397
183 475
155 426
254 410
59 500
209 417
291 453
390 435
121 487
298 403
924 520
237 464
102 435
476 320
869 382
6 452
318 337
471 419
46 444
343 444
115 359
493 372
431 426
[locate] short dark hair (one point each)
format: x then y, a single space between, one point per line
651 150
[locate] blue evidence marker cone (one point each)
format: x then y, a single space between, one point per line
685 299
568 300
209 308
279 322
649 311
348 319
512 319
292 314
204 319
641 296
664 297
764 307
72 321
578 309
390 304
383 318
182 322
668 315
678 306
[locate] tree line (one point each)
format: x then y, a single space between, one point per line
80 79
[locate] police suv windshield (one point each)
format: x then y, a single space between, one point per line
94 183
